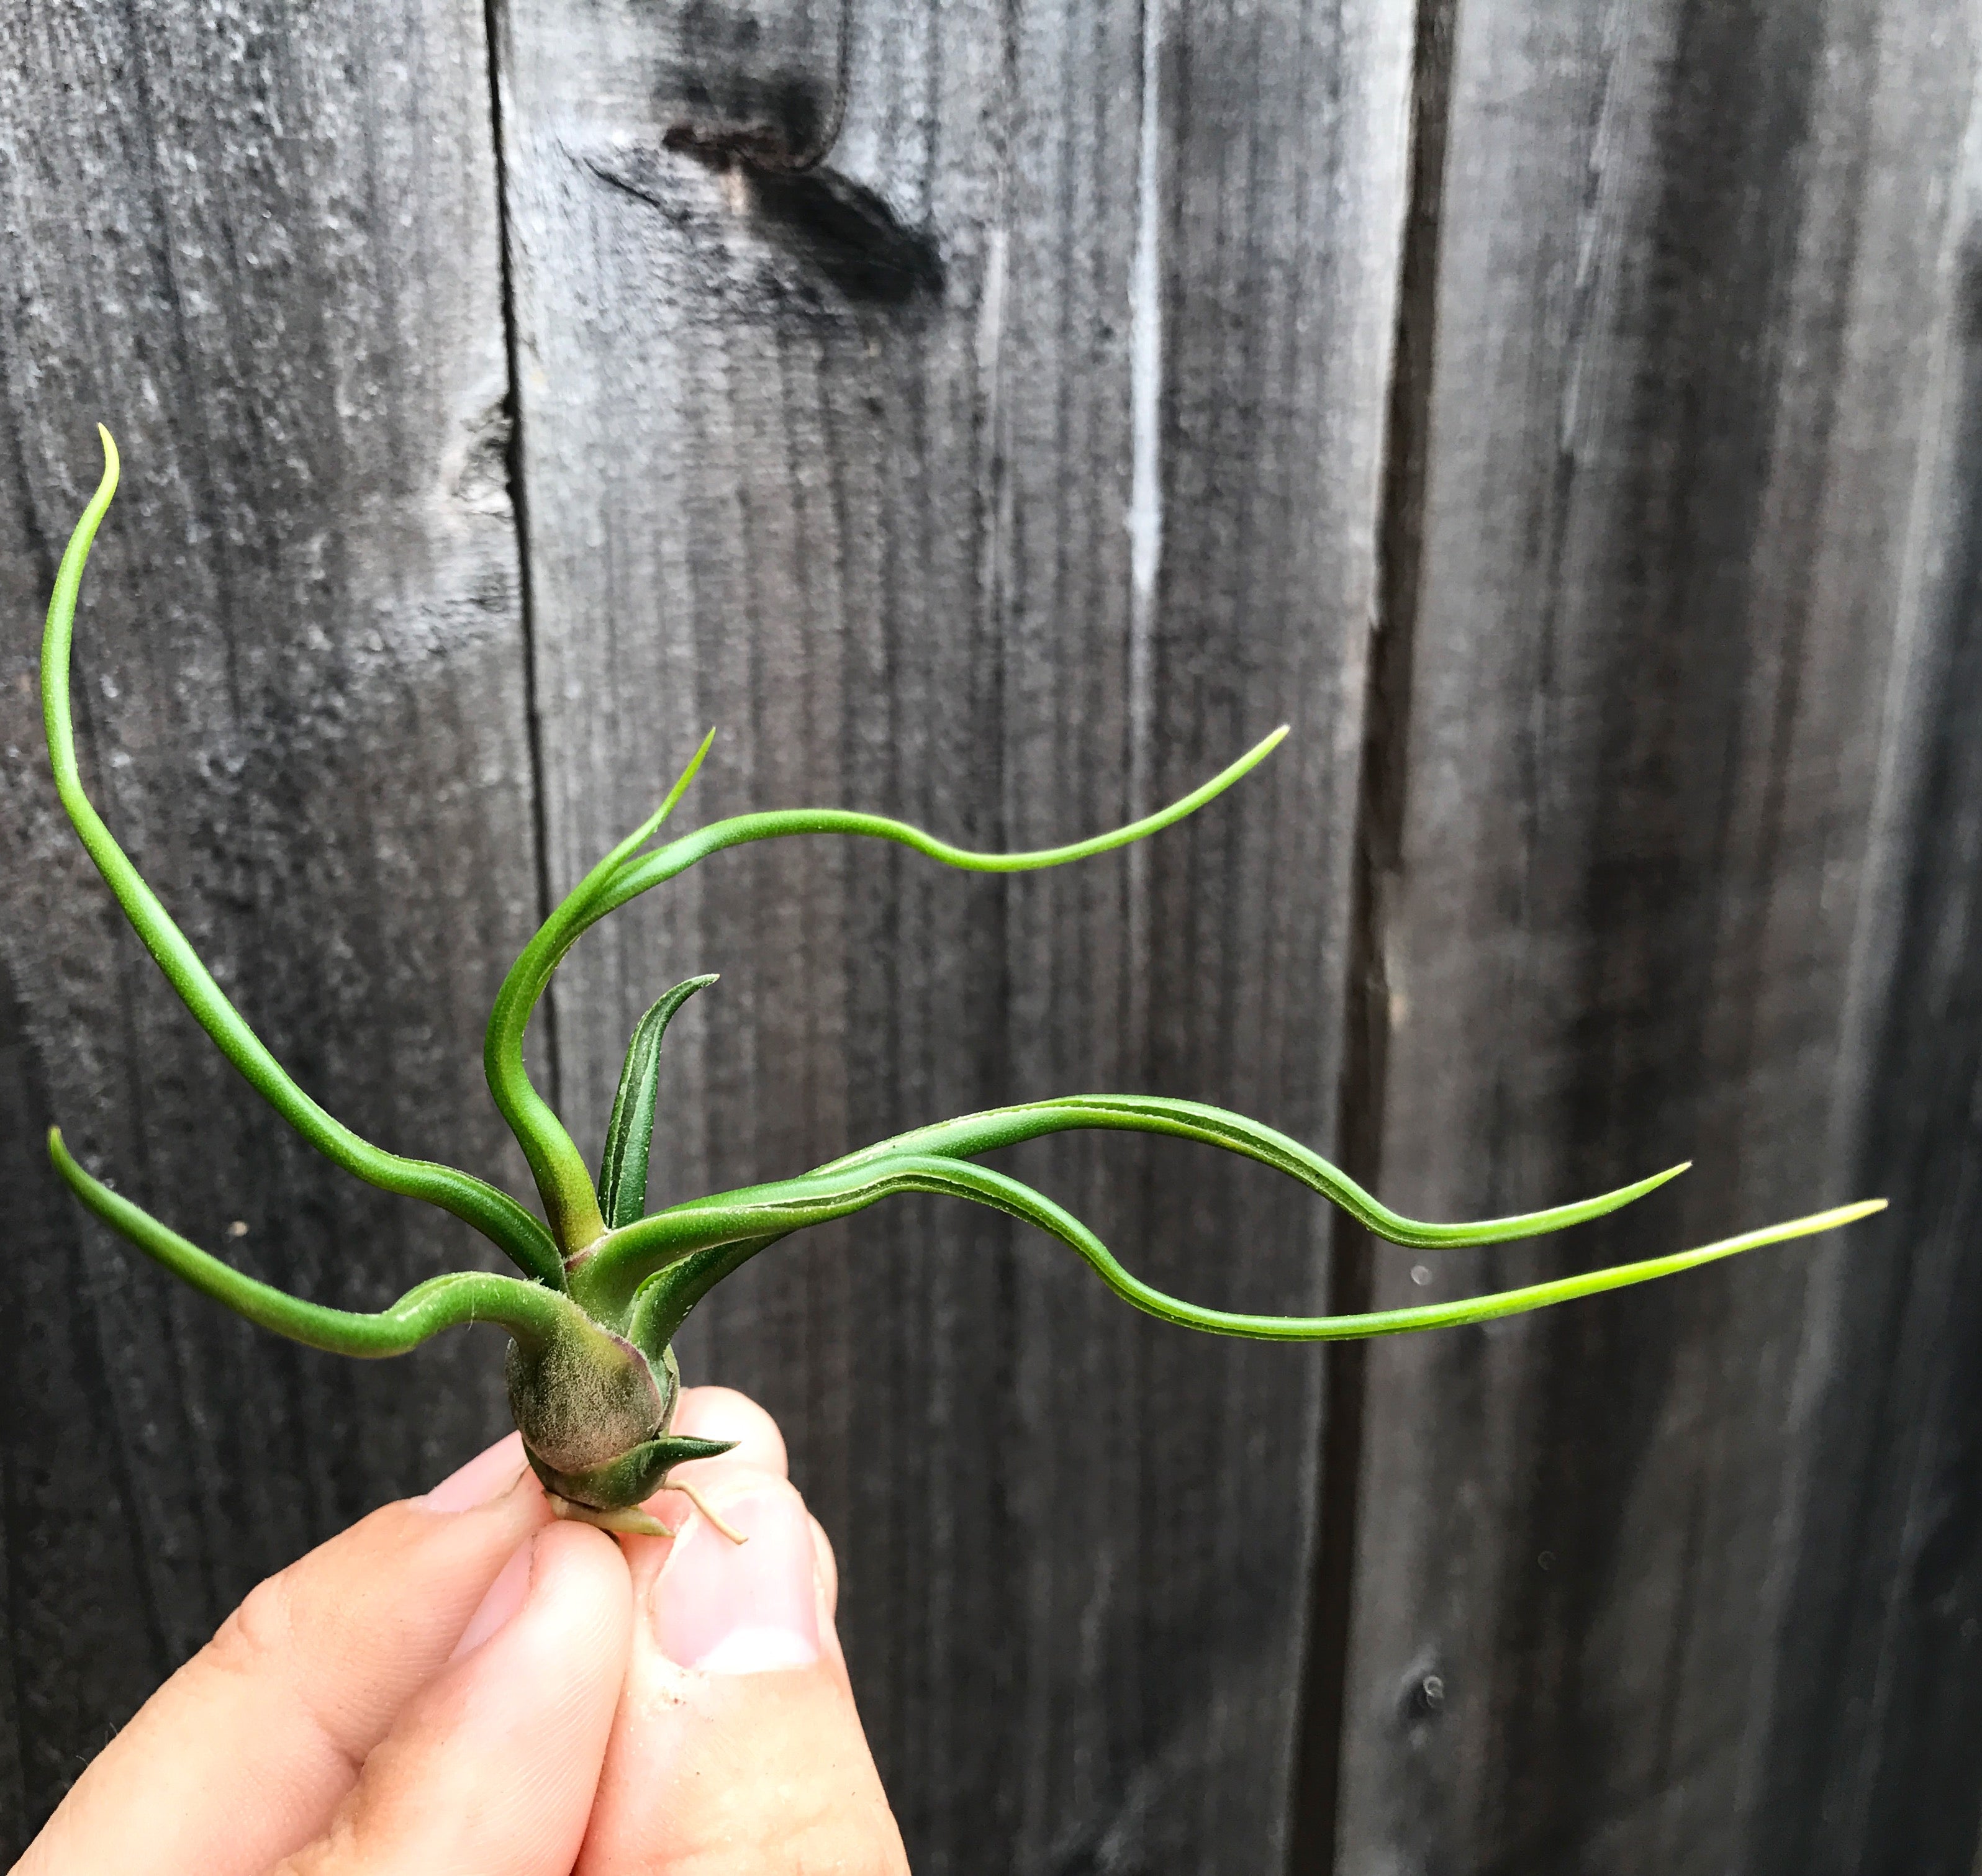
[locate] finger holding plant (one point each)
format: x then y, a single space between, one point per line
606 1283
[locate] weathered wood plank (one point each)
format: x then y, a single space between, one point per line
1687 308
1008 472
260 241
1872 1761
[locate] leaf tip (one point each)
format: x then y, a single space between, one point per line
63 1161
112 462
1835 1218
702 750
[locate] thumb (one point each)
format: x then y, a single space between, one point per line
491 1771
737 1747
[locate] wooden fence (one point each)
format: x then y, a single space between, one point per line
1567 413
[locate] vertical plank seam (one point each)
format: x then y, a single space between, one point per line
1322 1715
1145 518
512 466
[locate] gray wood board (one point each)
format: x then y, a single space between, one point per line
261 242
1010 471
863 464
1654 863
1874 1764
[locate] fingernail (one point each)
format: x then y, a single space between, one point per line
502 1599
741 1609
485 1478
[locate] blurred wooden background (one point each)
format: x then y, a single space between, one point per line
1566 413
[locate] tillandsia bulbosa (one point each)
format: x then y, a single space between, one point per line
605 1282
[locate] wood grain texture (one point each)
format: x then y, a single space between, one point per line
999 414
1612 1562
260 241
1875 1762
1008 472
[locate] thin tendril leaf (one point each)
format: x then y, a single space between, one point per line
630 1135
973 1134
555 1163
532 1314
689 1267
625 873
620 1263
493 1213
638 874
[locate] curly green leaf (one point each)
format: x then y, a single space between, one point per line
625 873
616 1268
676 1252
493 1213
562 1181
531 1313
973 1134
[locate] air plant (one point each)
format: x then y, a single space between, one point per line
606 1283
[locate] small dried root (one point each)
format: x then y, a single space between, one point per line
696 1498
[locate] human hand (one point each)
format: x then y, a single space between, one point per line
461 1684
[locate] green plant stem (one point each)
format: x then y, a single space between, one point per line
532 1314
492 1212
